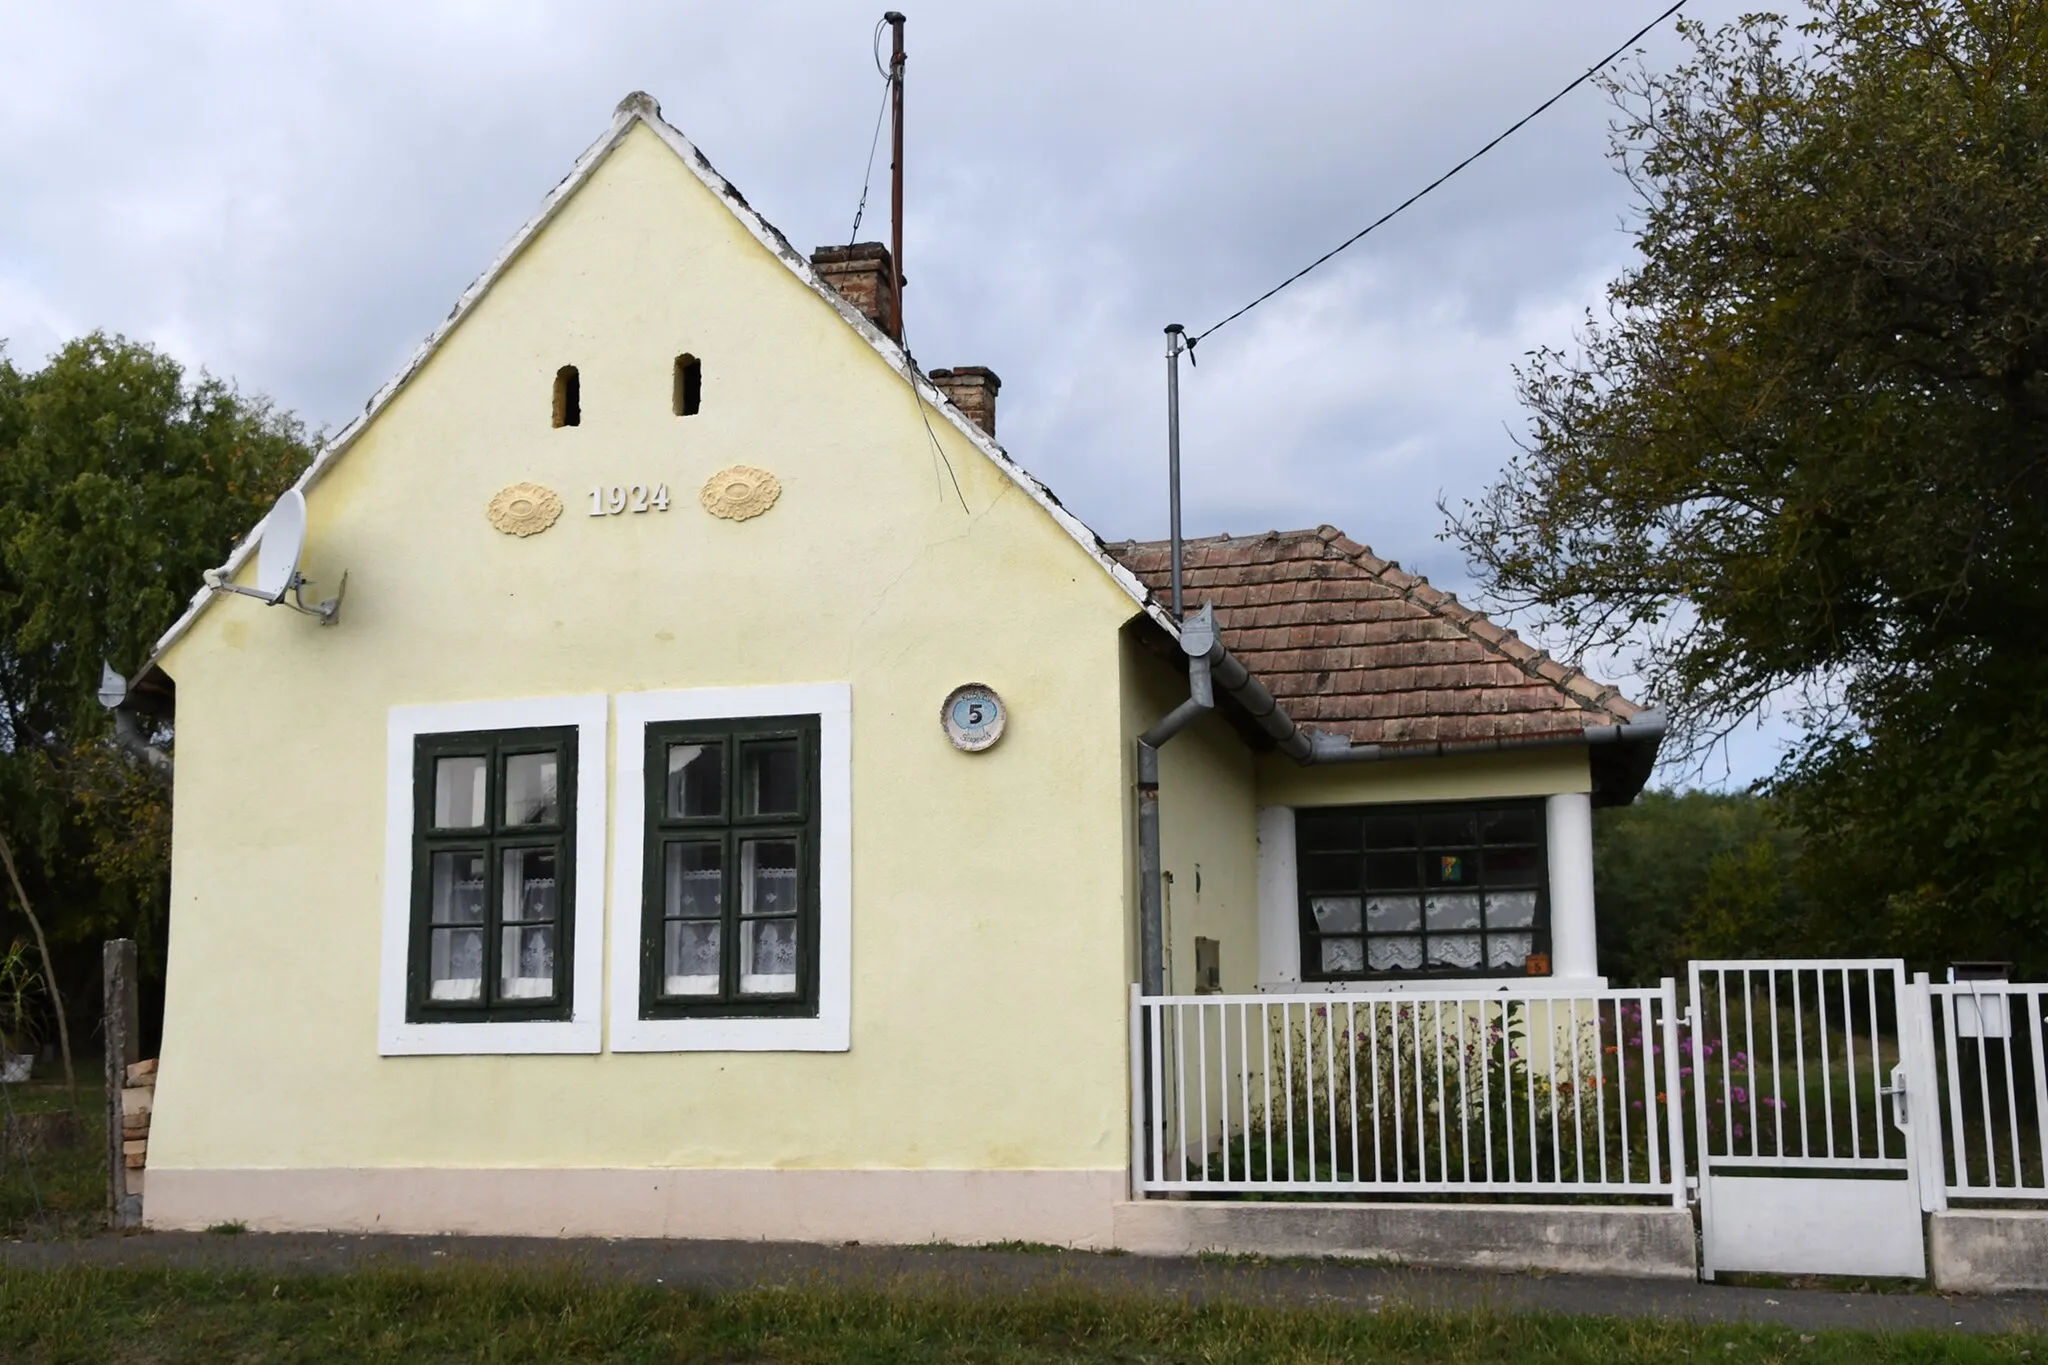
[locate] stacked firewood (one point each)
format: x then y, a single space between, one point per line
138 1094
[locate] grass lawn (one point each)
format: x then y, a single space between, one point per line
468 1313
60 1191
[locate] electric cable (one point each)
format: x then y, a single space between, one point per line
874 141
911 373
1395 211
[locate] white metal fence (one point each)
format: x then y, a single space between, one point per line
1988 1041
1525 1092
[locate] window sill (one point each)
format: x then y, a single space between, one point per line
503 1038
1503 985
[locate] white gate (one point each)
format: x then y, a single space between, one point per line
1804 1079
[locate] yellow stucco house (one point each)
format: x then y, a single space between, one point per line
719 807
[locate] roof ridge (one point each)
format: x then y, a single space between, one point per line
1588 693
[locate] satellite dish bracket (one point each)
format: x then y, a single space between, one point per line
291 596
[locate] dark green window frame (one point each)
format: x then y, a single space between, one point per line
449 929
730 917
1410 891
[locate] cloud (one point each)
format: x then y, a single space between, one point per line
292 196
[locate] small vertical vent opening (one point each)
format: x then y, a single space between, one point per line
689 387
568 397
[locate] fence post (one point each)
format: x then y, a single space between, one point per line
1139 1072
1674 1103
1923 1093
117 965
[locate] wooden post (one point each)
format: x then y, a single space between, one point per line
117 963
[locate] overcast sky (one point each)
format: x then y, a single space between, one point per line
292 196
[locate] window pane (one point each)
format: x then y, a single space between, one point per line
1393 954
458 793
1336 914
1390 831
1512 867
771 773
529 884
527 962
455 964
1455 950
1510 909
1460 868
1509 950
1329 872
458 888
696 779
1390 871
768 877
695 879
1388 914
1450 828
1342 955
530 796
768 957
1456 910
1521 825
1327 831
689 962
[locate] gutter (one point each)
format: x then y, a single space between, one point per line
1645 727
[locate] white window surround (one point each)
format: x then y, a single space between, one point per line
583 1030
830 1030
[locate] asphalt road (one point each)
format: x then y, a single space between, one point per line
738 1265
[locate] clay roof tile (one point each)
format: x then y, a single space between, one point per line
1353 643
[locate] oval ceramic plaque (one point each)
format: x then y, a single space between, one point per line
973 717
524 509
739 492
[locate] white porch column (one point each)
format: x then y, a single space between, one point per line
1279 917
1574 946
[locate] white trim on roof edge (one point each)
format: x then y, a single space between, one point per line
642 108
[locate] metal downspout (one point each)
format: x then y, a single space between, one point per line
1198 642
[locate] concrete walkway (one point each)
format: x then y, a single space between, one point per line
743 1265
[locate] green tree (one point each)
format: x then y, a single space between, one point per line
121 481
1685 874
1804 453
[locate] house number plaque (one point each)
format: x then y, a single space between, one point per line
973 717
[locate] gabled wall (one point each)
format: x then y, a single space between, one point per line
989 962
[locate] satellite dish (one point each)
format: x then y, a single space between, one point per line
284 537
113 688
277 563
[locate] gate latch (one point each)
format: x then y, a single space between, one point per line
1897 1090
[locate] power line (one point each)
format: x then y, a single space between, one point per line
1395 211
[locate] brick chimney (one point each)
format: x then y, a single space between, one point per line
861 274
972 389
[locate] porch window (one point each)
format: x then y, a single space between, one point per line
1437 890
729 919
493 861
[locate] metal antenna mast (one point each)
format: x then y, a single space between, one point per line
894 20
1174 346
